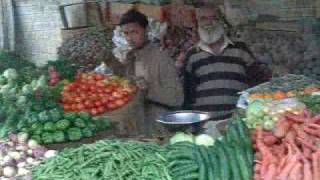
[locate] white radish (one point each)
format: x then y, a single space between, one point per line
9 171
22 172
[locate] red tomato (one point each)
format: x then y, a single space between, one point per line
100 84
100 90
67 88
93 111
78 99
66 107
80 107
111 98
111 106
93 88
88 104
84 87
119 102
99 77
74 107
104 100
101 109
117 94
108 90
98 103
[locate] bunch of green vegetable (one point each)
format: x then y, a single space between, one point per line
231 157
289 82
55 126
110 159
312 102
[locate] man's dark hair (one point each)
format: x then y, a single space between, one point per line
134 16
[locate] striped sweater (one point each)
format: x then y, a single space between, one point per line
212 81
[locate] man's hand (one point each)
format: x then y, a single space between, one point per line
141 83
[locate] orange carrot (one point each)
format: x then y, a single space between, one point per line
271 172
307 172
316 165
296 173
281 128
292 160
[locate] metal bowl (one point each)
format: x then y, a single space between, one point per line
184 120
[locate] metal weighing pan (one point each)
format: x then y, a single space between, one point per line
184 120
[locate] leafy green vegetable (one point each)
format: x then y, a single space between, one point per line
36 138
74 134
79 123
47 138
55 114
204 139
70 116
58 136
87 132
84 115
43 116
49 126
62 124
181 137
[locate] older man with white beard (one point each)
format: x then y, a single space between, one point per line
215 70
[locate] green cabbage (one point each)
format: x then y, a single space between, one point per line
10 74
204 139
181 137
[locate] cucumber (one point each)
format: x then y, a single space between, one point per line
233 163
223 163
244 169
188 169
214 160
202 164
205 155
191 176
178 163
180 155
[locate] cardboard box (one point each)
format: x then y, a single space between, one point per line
160 13
116 10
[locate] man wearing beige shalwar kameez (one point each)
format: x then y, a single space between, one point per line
153 70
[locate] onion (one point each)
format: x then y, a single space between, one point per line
21 148
7 159
39 152
11 144
30 152
15 155
30 160
32 144
9 171
50 153
23 171
22 137
13 138
21 164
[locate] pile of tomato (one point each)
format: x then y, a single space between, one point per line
96 94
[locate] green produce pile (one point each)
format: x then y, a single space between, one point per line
231 157
289 82
312 102
26 69
111 159
55 127
310 69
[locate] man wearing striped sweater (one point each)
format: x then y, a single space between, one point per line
215 70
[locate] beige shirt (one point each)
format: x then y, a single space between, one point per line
163 83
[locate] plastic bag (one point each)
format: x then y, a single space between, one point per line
103 69
292 105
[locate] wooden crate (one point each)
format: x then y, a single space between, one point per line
160 13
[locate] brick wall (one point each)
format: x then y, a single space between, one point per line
37 27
